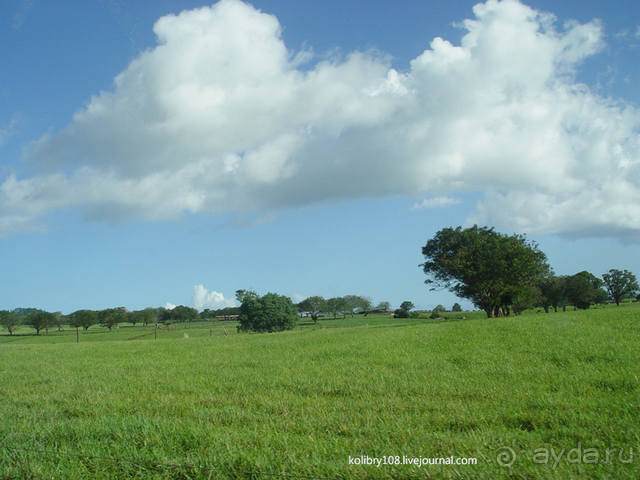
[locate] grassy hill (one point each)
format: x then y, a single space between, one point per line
300 403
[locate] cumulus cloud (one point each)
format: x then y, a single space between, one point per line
169 306
203 298
435 202
220 117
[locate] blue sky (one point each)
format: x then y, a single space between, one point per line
149 156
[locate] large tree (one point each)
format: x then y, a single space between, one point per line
620 284
489 268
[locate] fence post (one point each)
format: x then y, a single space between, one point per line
156 332
77 336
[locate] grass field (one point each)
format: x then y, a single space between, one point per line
298 404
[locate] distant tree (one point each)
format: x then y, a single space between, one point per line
456 307
351 302
584 289
9 320
488 268
401 313
620 284
407 306
364 305
40 320
133 317
335 305
111 317
439 309
313 306
384 306
83 318
184 314
59 320
270 313
150 316
24 312
553 292
145 316
178 314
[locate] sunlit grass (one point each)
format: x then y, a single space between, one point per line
301 402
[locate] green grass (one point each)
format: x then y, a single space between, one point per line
302 402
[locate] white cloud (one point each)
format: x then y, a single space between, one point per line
435 202
169 306
220 118
202 298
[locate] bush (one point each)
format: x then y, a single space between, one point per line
401 313
414 315
434 315
270 313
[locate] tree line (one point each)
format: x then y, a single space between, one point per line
500 274
503 274
110 318
42 320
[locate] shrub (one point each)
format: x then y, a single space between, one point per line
401 313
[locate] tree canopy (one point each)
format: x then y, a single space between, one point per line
584 289
489 268
39 320
269 313
313 306
620 284
83 318
9 320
